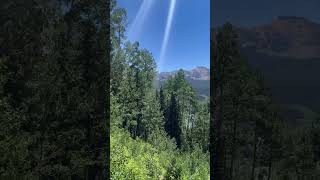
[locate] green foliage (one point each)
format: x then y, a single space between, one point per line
152 115
190 118
173 171
135 86
137 159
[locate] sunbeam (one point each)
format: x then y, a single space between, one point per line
166 34
137 24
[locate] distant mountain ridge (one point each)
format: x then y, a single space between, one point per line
199 78
287 52
198 73
286 36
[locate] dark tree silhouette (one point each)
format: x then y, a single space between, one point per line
172 125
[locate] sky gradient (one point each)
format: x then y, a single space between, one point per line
188 38
256 12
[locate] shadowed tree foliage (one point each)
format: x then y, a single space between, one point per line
249 138
224 53
172 124
54 58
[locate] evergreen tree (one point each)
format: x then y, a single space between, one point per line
21 48
153 119
162 102
53 81
200 132
70 99
186 99
137 83
172 125
224 53
118 65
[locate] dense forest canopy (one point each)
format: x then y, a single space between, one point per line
53 78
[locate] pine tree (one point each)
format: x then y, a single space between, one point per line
172 125
138 81
118 65
200 132
162 102
153 119
21 50
186 99
67 111
224 52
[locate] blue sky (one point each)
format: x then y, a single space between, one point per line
188 40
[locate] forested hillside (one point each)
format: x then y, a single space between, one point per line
155 133
286 51
199 78
249 137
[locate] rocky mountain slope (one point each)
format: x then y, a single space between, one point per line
286 36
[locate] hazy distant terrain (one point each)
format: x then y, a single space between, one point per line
197 73
199 78
287 52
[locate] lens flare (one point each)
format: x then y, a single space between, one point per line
166 34
140 18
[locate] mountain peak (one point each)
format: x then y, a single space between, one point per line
287 36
